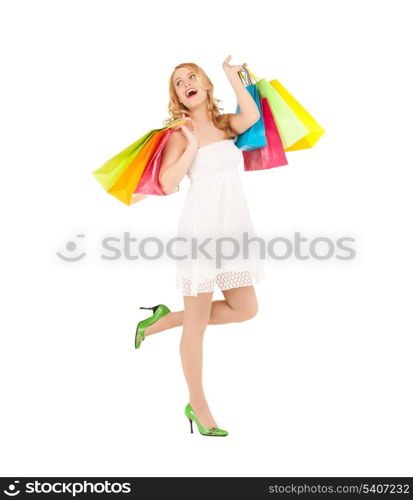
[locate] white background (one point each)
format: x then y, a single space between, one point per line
319 382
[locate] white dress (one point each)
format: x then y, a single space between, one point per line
215 225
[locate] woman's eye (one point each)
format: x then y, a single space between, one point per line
179 82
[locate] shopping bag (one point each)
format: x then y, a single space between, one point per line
315 130
115 174
149 182
127 182
254 137
269 156
289 125
110 171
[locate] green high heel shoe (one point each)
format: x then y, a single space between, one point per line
205 431
158 311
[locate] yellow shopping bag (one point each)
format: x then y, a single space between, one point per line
315 130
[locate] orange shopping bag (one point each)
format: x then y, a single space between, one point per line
126 184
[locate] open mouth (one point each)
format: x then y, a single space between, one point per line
191 92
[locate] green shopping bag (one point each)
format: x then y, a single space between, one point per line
110 171
289 125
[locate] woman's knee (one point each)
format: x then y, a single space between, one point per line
248 312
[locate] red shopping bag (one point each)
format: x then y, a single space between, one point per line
269 156
149 182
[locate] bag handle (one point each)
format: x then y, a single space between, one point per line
245 77
251 74
175 122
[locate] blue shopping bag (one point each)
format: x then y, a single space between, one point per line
254 137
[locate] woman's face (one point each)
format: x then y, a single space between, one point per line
185 80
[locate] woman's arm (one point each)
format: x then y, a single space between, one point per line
249 111
177 157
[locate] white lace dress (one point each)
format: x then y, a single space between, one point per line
215 225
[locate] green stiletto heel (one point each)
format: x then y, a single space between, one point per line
205 431
158 311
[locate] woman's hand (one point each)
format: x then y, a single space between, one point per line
232 70
190 132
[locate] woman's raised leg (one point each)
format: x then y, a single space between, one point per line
240 304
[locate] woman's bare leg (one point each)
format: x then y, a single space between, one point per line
196 315
240 304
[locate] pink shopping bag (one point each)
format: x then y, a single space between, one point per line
149 182
269 156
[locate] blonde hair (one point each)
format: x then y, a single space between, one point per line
176 108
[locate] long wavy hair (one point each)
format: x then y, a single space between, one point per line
176 108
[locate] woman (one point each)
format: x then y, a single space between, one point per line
215 209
